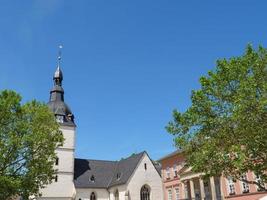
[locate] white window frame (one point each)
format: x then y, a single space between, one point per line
230 186
168 173
177 193
175 170
244 185
258 180
169 194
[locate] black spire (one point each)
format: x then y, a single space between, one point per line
56 102
58 76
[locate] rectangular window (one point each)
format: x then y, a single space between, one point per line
244 185
168 173
259 181
169 194
175 169
186 190
57 160
177 193
231 186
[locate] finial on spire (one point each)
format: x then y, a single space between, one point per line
58 76
59 54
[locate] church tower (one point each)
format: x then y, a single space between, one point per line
63 185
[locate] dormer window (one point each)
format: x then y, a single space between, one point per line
70 117
118 176
60 118
92 178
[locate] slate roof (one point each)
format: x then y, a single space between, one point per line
125 168
102 171
56 101
158 167
106 173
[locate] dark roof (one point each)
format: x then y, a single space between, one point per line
125 168
58 74
102 171
56 102
106 173
158 167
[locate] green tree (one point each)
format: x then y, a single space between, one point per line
224 131
29 136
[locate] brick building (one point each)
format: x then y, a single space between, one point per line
180 183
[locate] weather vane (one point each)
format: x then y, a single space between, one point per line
59 54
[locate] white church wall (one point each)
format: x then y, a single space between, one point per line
143 176
65 164
84 193
64 187
121 189
69 142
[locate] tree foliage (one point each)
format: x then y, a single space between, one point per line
29 136
225 128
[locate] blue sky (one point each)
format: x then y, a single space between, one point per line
127 64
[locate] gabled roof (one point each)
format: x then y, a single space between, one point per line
106 173
125 168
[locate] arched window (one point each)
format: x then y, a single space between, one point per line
117 195
145 193
92 196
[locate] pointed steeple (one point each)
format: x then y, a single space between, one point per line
56 102
58 76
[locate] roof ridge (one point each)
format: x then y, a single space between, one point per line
139 156
97 160
134 154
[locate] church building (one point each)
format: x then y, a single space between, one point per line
134 178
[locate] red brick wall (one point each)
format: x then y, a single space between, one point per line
172 182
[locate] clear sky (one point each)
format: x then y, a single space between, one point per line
127 63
